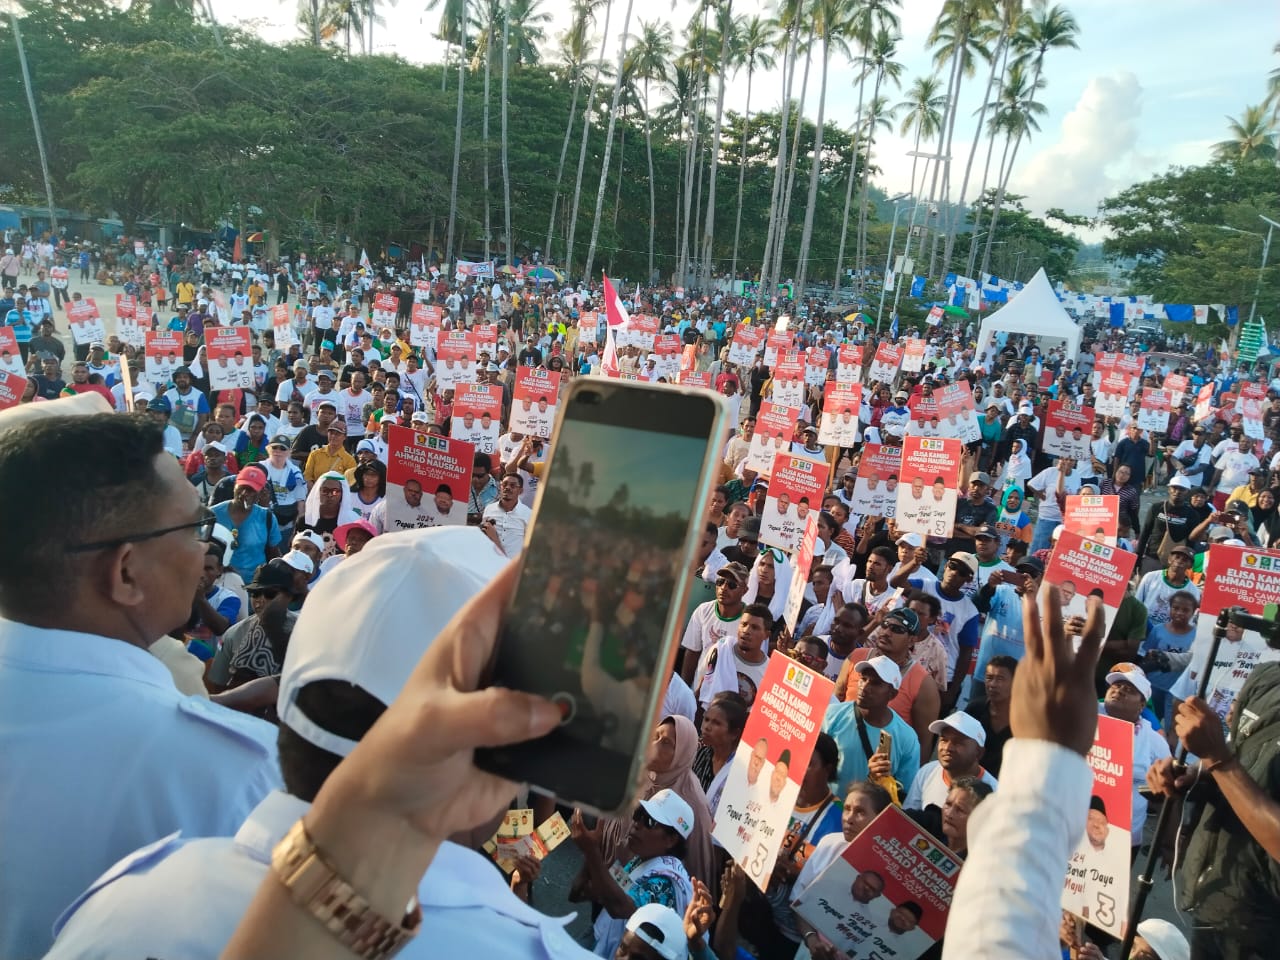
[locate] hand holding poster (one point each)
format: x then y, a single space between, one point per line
1068 429
800 568
13 386
1078 567
931 475
884 368
486 338
796 485
849 363
775 426
281 327
1153 413
841 403
887 895
477 415
428 477
230 358
1096 887
1093 517
10 353
772 756
163 356
85 321
424 325
875 492
533 405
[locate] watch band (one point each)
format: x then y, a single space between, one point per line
315 886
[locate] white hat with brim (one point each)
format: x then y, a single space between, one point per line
882 667
962 723
662 929
1131 674
1164 938
671 810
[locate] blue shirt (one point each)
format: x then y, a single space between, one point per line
1002 633
256 532
21 321
841 723
101 755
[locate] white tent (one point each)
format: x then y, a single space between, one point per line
1034 311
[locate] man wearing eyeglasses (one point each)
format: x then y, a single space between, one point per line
99 563
255 647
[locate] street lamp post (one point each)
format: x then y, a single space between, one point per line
896 201
1266 249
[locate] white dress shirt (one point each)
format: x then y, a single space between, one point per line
931 786
183 898
101 755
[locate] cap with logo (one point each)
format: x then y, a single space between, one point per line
670 809
1132 674
968 560
905 616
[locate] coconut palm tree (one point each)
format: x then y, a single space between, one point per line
921 115
648 61
701 38
575 44
453 30
879 116
586 133
758 37
1046 27
1253 136
728 28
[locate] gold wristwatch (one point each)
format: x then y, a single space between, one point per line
315 886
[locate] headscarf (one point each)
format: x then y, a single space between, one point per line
680 778
346 509
1019 465
1003 515
781 582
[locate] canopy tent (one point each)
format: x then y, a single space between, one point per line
1036 312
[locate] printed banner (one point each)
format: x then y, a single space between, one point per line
745 344
788 379
887 895
421 291
477 415
1079 567
692 379
1176 384
14 385
1113 395
1096 887
86 323
455 359
849 363
667 348
884 366
428 477
385 307
775 426
230 358
796 486
1251 414
474 268
532 843
1093 517
163 355
816 363
132 321
875 492
772 757
533 405
1153 413
931 475
282 328
913 355
10 353
424 325
776 343
1204 402
802 563
840 405
1068 430
641 333
588 327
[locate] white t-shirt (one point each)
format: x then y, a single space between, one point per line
351 409
1235 467
510 525
706 627
932 784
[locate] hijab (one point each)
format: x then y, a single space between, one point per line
1005 515
346 509
1019 466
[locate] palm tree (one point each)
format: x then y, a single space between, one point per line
728 28
506 157
650 54
1045 28
880 56
374 18
921 114
1253 137
574 44
453 30
1015 116
758 37
1273 87
700 37
789 22
586 131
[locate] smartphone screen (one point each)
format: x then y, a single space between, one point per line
608 552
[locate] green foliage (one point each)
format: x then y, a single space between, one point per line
1026 243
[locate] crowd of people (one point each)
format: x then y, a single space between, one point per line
243 613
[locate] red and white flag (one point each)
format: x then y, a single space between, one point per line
616 318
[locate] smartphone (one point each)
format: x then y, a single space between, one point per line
885 746
594 623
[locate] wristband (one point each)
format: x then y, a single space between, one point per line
1211 767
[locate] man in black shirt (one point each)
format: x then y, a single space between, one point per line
974 511
1175 516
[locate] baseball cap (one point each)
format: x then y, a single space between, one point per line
734 571
279 440
1163 937
905 616
1180 481
217 445
159 404
1026 409
1218 533
749 529
253 477
968 559
324 372
419 416
911 540
366 445
340 534
962 723
338 425
420 577
299 561
309 536
882 667
661 928
1130 673
327 403
1182 548
301 365
272 575
980 477
985 532
670 810
1238 506
1259 472
1031 563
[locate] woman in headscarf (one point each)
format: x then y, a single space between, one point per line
1012 522
369 487
1018 469
768 583
1266 518
329 506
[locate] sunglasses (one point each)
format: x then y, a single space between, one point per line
642 817
267 593
896 628
959 568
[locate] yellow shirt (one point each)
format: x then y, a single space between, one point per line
1244 493
320 462
185 292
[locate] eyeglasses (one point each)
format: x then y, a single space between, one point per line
203 533
642 817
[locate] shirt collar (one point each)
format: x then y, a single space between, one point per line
69 650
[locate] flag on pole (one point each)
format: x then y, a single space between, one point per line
364 259
616 318
893 327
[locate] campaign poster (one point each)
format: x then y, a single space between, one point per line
1252 398
534 843
533 404
849 363
1096 886
229 358
816 362
668 348
956 413
640 333
455 358
692 378
1079 566
428 477
588 326
775 426
59 276
1068 430
875 491
85 322
930 475
477 415
788 379
1093 517
385 307
1153 411
760 791
1204 402
796 486
486 339
913 355
162 356
745 345
802 564
776 343
10 353
132 321
925 418
887 895
840 405
1130 364
282 328
421 291
1176 385
884 366
424 325
1112 395
13 386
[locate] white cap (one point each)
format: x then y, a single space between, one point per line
1133 674
670 810
961 722
1026 408
911 540
419 578
216 445
1163 937
419 416
311 537
968 559
1180 481
661 928
884 668
299 561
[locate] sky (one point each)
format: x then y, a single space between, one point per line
1150 86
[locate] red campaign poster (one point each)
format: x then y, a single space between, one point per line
691 379
776 343
1153 410
421 291
1093 517
1130 365
588 326
801 564
1068 429
477 415
875 491
775 428
1251 413
86 322
639 333
916 875
930 475
816 361
428 477
385 307
133 320
1113 394
230 358
668 348
1204 402
1104 363
12 387
424 325
956 415
486 335
10 353
849 363
913 355
126 306
533 404
1079 566
788 379
925 417
163 355
840 405
455 358
1177 385
745 345
796 486
281 328
1096 887
884 366
760 791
